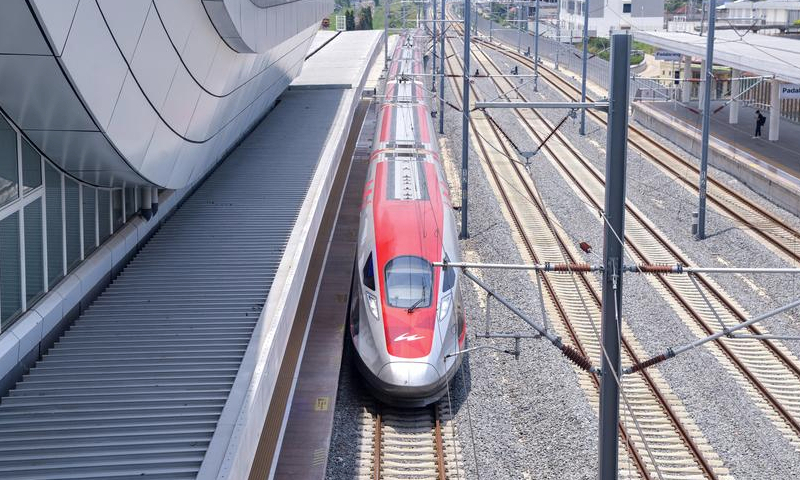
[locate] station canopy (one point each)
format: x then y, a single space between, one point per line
770 56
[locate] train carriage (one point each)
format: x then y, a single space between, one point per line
407 320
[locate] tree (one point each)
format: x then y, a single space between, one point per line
365 19
349 20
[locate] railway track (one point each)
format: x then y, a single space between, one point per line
759 222
409 444
663 441
766 370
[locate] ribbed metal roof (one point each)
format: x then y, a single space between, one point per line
136 386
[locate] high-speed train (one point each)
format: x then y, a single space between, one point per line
407 319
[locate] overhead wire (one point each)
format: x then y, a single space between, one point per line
605 353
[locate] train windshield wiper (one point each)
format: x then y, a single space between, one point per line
416 304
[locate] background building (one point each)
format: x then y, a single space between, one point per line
609 15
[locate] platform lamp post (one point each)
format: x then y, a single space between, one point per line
613 252
584 61
465 126
708 75
536 49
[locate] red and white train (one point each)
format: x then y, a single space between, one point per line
407 319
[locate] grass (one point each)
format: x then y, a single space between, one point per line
395 16
395 20
600 47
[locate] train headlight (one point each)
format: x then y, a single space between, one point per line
444 305
372 302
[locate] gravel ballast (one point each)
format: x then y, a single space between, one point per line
529 418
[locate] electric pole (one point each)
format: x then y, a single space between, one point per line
441 72
583 66
465 127
613 252
536 50
433 55
708 76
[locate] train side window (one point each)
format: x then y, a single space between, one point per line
449 276
369 273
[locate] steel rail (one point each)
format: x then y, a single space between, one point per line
747 372
625 437
439 444
696 451
645 144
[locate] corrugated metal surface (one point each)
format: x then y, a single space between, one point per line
136 385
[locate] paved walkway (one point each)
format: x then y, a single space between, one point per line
783 154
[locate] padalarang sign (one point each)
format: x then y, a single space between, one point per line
790 91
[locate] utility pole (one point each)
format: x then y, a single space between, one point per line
614 232
465 127
475 23
491 19
433 55
709 75
558 32
536 50
519 28
584 61
441 72
385 34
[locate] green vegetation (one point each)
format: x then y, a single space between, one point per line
600 47
672 5
797 22
395 16
360 20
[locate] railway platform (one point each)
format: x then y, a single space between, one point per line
781 153
169 371
310 409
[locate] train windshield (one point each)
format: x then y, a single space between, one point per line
408 282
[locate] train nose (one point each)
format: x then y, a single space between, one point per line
409 375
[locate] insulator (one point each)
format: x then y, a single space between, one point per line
576 357
656 268
571 267
647 363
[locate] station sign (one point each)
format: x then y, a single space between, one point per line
790 91
666 56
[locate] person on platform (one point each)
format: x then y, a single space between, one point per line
760 121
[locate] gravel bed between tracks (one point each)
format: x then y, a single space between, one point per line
529 418
745 439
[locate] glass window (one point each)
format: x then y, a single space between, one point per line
34 252
9 169
72 224
89 221
369 273
10 269
116 208
103 215
626 8
130 202
55 232
31 167
408 282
